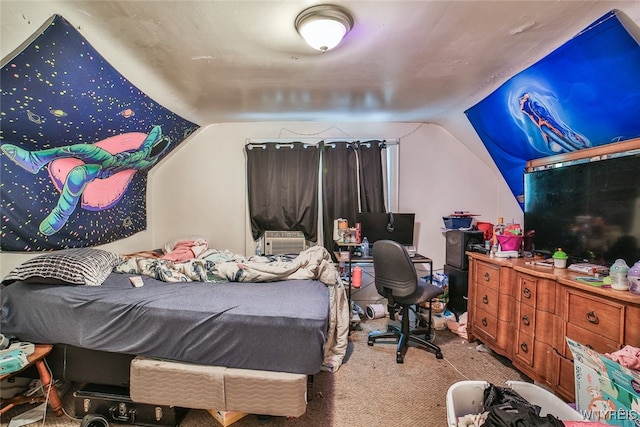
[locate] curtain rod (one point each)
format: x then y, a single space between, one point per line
317 140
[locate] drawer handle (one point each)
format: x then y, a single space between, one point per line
526 320
592 317
526 292
485 299
484 321
524 347
487 277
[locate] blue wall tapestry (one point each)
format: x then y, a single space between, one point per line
584 94
77 140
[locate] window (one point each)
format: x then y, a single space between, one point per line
292 185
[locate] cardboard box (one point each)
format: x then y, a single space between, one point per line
226 418
605 390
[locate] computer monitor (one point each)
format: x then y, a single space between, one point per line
387 226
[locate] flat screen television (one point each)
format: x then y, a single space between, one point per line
591 210
387 226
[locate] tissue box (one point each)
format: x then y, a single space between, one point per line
605 390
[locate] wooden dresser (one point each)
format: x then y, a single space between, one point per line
524 312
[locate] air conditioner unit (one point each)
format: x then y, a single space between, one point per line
284 242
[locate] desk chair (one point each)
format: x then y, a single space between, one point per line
396 280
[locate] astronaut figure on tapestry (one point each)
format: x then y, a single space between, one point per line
583 94
77 143
98 173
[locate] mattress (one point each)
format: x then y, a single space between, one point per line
273 326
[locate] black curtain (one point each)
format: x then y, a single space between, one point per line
283 188
371 176
342 163
339 187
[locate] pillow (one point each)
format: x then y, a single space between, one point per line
85 266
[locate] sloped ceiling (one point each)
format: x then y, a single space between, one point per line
243 61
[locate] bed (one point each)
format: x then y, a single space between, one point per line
240 324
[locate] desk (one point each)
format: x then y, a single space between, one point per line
416 259
36 358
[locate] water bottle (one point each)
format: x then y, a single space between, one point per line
259 246
618 273
365 248
634 278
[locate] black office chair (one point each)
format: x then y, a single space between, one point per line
396 280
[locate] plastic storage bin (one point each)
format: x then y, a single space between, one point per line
456 222
466 397
510 242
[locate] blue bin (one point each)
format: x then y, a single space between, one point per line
455 222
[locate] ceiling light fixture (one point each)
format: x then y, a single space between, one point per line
324 26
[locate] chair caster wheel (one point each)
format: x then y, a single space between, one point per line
439 355
370 342
399 358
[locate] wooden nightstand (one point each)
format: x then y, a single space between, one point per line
37 359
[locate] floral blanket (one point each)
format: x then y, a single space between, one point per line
223 266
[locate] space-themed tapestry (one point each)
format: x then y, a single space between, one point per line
77 140
584 94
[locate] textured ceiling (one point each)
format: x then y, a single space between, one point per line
239 61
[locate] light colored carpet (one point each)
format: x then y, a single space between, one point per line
370 388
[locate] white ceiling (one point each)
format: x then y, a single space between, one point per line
243 61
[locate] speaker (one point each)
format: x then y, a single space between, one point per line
457 243
458 289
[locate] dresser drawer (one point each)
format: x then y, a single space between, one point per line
487 274
524 347
598 315
538 324
537 292
485 323
526 321
486 298
600 343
